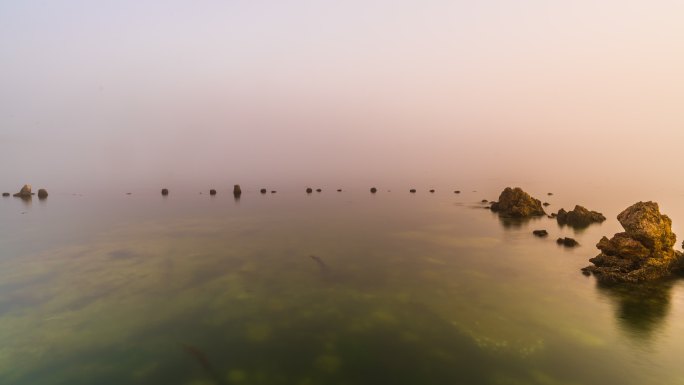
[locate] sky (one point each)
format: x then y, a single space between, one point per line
211 93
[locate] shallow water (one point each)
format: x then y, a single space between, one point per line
405 289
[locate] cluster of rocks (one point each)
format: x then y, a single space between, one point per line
516 203
27 193
579 217
644 251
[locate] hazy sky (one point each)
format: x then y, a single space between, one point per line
219 92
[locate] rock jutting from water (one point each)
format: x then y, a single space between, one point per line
540 233
25 192
567 242
412 190
432 190
579 217
42 193
263 191
339 190
5 194
457 192
165 192
516 203
373 190
643 252
212 192
319 190
237 191
309 190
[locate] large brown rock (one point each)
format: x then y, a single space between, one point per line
516 203
579 217
643 252
25 192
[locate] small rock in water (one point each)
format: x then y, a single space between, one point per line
339 190
319 190
549 194
579 217
128 193
567 242
6 194
237 191
212 192
546 203
165 191
432 190
540 233
273 191
309 190
42 193
373 190
457 192
516 203
485 201
412 190
25 192
263 191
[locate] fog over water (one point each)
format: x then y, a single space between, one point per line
139 95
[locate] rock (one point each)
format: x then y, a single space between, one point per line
432 190
553 215
25 192
165 192
373 190
212 192
540 233
457 192
549 193
5 194
579 217
42 193
412 190
485 201
643 252
339 190
546 204
567 242
318 190
515 203
273 191
263 191
309 190
237 191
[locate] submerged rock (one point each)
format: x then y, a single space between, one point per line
567 242
540 233
516 203
42 193
25 192
644 251
373 190
237 191
165 192
579 217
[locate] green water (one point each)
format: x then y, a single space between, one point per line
410 289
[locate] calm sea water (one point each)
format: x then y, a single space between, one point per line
405 289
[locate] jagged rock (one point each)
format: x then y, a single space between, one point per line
263 191
165 192
212 192
579 217
25 192
237 191
373 190
540 233
412 190
516 203
42 193
309 190
567 242
643 252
